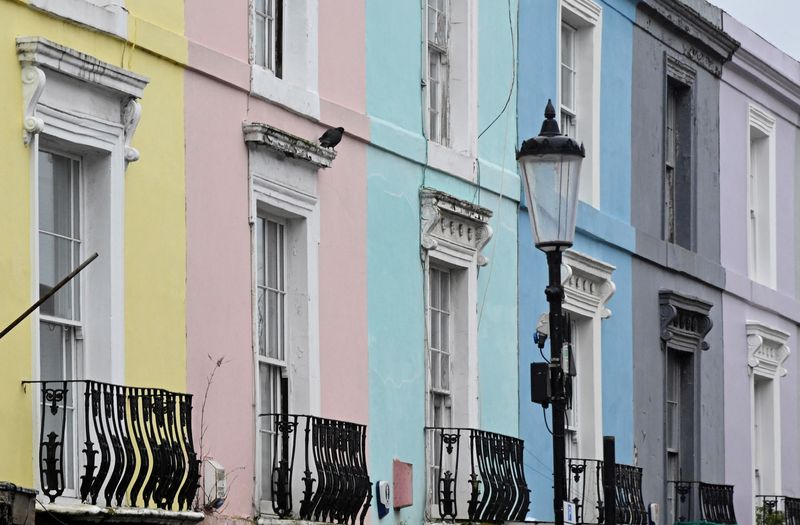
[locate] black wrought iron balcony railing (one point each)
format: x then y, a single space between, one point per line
585 490
334 482
700 501
485 482
130 446
787 508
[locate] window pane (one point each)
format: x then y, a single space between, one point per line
260 264
55 262
435 356
262 322
444 336
567 88
445 372
567 45
261 6
55 194
272 254
260 40
445 291
434 284
273 319
435 327
51 353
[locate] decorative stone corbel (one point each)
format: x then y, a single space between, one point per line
668 313
131 114
685 321
766 350
453 226
33 81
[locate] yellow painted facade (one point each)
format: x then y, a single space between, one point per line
155 231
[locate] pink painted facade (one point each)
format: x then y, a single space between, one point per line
219 269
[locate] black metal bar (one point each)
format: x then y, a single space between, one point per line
555 296
48 295
609 480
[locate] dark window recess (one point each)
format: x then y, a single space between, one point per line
279 39
678 189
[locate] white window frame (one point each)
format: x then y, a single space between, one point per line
108 16
297 88
587 289
273 38
761 198
287 189
453 233
59 117
457 155
766 352
585 17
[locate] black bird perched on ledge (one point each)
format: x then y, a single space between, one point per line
331 137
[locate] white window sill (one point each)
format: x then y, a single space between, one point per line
451 161
111 19
299 99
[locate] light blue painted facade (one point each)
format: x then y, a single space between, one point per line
603 233
397 169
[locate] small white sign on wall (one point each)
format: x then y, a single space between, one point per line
569 512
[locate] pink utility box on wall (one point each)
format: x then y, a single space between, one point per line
402 486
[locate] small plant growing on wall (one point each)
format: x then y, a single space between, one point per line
767 515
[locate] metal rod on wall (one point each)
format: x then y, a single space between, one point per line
48 295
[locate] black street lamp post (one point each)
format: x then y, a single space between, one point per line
550 164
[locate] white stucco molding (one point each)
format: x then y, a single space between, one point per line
766 77
588 285
459 228
684 321
287 144
761 119
679 70
586 9
38 56
766 349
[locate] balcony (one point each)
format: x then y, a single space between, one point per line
694 501
334 484
124 446
777 509
484 483
585 490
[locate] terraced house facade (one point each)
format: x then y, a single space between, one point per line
241 324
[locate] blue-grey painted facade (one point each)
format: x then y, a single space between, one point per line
398 168
675 45
603 233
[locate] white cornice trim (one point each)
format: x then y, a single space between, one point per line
586 9
285 143
766 349
767 77
761 119
38 51
588 285
453 226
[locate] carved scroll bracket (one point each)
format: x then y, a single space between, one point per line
131 114
459 228
33 82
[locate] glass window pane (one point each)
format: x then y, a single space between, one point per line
445 292
260 41
444 335
281 258
272 324
567 88
55 262
55 194
435 369
272 254
435 327
445 372
51 354
266 465
260 263
434 284
262 322
261 6
76 203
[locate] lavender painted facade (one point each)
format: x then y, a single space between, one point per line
759 152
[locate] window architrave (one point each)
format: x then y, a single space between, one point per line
585 17
761 125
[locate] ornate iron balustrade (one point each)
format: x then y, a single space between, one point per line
494 490
335 484
788 506
696 500
137 445
585 490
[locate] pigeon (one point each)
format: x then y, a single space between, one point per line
331 137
